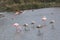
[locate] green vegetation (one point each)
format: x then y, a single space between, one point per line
12 5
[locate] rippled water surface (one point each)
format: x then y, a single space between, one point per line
8 31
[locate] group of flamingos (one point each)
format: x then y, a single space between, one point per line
18 27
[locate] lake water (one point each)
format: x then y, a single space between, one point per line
8 31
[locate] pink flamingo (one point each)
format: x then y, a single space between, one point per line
44 18
17 27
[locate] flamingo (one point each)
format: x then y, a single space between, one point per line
38 27
52 23
16 24
44 18
17 27
25 25
33 22
17 13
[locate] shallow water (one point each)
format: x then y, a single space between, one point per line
8 31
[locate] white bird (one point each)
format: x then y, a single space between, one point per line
44 18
